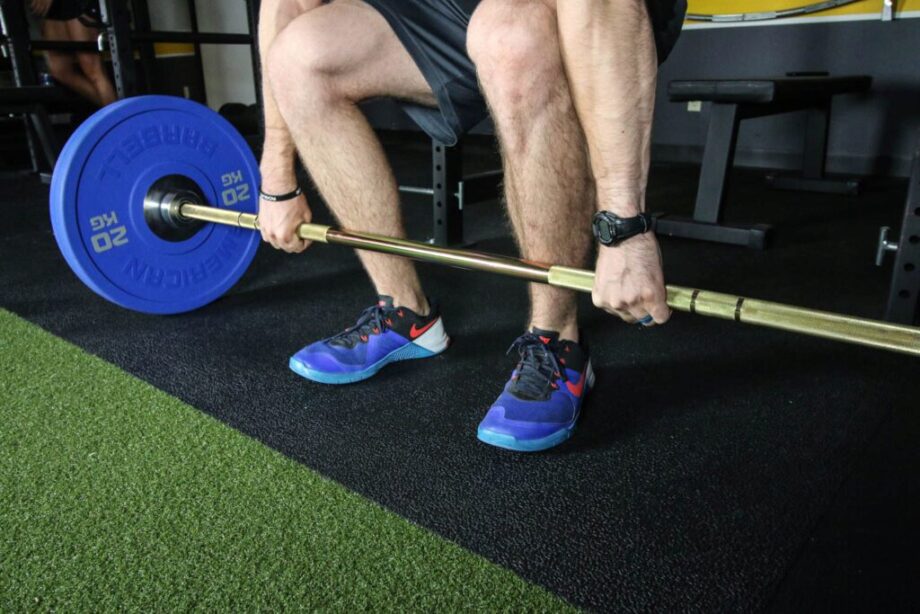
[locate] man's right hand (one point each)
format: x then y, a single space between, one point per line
278 222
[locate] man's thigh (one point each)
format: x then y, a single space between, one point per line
434 33
351 43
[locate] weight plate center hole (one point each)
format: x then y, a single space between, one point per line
162 203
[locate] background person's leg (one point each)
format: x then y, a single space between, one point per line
548 185
91 62
319 67
61 65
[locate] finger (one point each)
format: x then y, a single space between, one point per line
293 244
660 312
623 315
291 247
597 297
264 232
302 246
640 315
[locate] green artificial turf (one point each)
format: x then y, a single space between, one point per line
115 495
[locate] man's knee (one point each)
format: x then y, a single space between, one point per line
61 69
302 64
291 9
515 47
90 65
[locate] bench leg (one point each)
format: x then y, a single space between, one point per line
717 162
718 157
816 122
812 178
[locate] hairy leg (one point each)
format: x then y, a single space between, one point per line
319 67
61 65
548 184
91 63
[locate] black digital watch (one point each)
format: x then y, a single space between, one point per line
610 229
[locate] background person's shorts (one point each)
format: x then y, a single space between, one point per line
434 33
65 10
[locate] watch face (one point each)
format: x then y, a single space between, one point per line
612 230
603 230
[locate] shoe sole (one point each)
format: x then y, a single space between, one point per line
509 442
410 351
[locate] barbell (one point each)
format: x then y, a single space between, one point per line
129 212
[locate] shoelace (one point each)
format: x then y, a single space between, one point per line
372 320
538 369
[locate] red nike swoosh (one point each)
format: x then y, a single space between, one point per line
415 332
577 389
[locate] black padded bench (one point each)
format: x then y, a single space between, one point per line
734 100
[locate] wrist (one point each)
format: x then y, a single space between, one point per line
277 197
622 201
277 173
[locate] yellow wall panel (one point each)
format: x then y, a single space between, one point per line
864 7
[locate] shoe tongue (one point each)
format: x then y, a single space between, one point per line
385 301
546 336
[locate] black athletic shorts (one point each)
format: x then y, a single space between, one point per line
434 33
65 10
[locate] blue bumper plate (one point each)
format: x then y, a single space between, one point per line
97 203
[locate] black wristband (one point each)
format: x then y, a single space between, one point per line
275 198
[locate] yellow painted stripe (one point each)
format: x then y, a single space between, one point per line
161 50
865 7
173 49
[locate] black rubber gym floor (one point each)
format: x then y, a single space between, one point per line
718 467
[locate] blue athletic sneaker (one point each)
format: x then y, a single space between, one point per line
382 334
541 402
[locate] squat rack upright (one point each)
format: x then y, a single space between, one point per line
116 34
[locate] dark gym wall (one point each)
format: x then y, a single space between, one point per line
873 134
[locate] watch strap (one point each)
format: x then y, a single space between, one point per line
611 229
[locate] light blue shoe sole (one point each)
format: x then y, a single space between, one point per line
410 351
510 442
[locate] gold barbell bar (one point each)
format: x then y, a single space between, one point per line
860 331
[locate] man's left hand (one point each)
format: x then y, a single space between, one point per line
629 282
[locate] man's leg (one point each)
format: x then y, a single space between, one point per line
548 184
550 195
61 65
319 67
91 63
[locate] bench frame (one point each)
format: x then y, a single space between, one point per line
718 158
